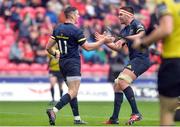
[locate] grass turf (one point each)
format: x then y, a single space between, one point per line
34 114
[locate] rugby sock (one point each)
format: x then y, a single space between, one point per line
118 99
52 93
77 118
131 99
74 106
61 93
63 101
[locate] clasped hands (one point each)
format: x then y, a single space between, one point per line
137 43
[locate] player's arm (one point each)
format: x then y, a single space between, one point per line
163 30
86 45
117 46
94 45
49 47
135 36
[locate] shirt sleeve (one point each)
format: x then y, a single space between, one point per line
162 8
81 39
53 36
139 27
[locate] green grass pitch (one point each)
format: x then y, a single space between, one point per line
34 114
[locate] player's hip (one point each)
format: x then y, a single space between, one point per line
138 65
57 74
70 67
169 77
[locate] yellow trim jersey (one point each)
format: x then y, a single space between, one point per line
171 47
53 62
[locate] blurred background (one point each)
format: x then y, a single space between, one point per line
25 27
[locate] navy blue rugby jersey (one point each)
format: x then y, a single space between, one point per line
68 38
133 28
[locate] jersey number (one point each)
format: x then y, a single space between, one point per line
63 46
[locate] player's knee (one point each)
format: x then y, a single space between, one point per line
116 87
73 93
122 78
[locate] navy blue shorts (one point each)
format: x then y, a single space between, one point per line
70 67
57 74
169 78
138 65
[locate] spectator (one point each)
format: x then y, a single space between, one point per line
15 54
52 15
55 6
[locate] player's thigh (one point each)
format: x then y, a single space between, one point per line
52 78
60 79
168 104
73 87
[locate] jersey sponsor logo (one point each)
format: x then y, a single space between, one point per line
62 37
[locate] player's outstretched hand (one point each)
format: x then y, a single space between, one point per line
99 36
106 38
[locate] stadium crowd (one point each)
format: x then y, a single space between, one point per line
26 25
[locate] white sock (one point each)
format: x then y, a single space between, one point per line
55 109
77 118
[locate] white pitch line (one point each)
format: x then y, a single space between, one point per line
69 115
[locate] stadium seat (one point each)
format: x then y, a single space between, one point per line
97 70
3 55
44 67
2 27
8 31
100 70
2 21
24 69
11 69
86 70
41 10
6 50
39 73
10 39
105 68
3 64
29 10
36 66
10 66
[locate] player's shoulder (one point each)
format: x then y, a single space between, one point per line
58 26
137 24
73 28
